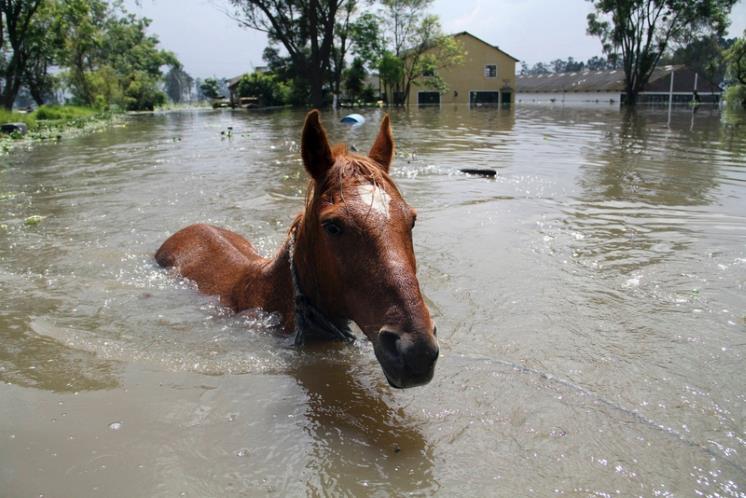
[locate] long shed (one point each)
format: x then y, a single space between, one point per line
607 87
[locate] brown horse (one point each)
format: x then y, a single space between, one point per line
348 256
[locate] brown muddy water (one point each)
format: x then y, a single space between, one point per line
590 304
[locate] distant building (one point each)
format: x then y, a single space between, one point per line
486 76
607 87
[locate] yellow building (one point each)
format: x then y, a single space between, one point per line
486 76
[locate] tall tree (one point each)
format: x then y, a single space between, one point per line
735 57
16 18
416 39
178 83
642 30
297 25
704 55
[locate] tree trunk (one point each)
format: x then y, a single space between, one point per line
37 94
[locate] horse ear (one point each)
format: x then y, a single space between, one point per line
383 148
315 151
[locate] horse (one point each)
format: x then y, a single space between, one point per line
348 256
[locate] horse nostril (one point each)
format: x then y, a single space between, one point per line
435 330
389 342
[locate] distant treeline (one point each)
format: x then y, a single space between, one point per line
86 52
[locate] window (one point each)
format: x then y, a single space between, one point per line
490 71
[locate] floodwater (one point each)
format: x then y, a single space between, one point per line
590 305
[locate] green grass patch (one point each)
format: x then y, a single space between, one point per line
7 116
63 112
53 122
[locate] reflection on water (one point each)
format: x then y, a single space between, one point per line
589 299
362 441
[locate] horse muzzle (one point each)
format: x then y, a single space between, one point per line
407 358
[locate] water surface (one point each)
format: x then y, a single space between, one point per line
590 304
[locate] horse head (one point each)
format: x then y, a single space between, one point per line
355 256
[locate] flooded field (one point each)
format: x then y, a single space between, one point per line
590 304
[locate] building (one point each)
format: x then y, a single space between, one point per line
607 87
486 76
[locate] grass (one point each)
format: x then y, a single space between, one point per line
63 112
51 122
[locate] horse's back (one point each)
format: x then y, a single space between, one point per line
213 257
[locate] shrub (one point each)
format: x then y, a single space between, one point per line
735 96
266 87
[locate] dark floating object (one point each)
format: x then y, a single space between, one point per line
480 172
353 119
9 128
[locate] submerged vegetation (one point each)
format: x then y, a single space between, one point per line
52 122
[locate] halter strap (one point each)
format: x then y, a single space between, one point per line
309 320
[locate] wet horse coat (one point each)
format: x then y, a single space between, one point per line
352 255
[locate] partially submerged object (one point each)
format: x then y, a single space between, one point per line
353 119
11 128
479 171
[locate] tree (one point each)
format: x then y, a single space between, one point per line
43 45
367 39
16 18
110 58
341 45
417 40
704 55
266 87
735 57
355 78
178 84
641 31
297 25
210 88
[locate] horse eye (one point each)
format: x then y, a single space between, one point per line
332 227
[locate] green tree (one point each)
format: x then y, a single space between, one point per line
735 58
210 88
110 58
355 78
641 31
305 28
264 86
178 83
367 39
391 73
417 40
16 18
705 55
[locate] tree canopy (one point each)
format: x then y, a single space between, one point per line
640 31
103 53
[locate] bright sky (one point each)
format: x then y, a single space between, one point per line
210 44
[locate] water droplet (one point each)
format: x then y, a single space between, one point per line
115 426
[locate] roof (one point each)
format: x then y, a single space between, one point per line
608 81
462 33
234 81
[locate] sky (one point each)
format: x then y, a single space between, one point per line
208 43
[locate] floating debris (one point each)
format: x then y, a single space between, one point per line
354 119
34 219
479 172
